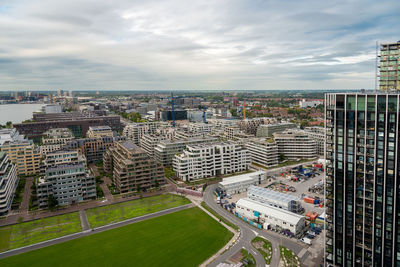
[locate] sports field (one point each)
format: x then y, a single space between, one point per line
184 238
23 234
121 211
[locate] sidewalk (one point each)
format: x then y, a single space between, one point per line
197 202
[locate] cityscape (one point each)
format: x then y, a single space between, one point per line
206 144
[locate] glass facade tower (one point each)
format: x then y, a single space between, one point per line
361 185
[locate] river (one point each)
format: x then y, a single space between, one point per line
16 113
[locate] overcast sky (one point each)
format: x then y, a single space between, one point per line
216 44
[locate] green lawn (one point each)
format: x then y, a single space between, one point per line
247 259
27 233
289 258
184 238
134 208
264 247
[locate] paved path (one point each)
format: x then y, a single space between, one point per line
275 238
84 220
93 231
27 194
13 218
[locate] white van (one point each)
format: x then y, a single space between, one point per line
306 240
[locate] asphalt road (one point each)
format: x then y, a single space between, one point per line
249 232
91 232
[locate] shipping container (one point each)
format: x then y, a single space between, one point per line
309 200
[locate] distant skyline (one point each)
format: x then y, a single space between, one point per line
200 45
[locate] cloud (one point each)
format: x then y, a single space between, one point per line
88 44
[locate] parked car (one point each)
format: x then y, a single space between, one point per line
233 204
309 236
306 240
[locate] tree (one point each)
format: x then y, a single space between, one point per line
8 124
138 188
156 184
53 202
282 157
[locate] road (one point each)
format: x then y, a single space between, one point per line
27 194
91 232
249 232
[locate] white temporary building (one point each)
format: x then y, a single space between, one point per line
270 216
275 199
240 183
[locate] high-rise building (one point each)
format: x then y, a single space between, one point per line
8 182
362 186
389 66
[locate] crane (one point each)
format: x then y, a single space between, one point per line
172 110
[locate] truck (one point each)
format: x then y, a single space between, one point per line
218 200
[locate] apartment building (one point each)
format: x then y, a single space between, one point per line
136 131
267 130
318 135
295 145
250 126
362 179
63 157
55 139
8 183
68 183
166 150
262 151
10 135
389 66
209 160
132 168
99 131
24 154
149 141
93 148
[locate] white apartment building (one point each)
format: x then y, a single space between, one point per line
262 151
209 160
10 135
166 150
318 135
295 145
8 183
136 131
312 103
240 183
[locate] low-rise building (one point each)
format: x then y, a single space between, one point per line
295 145
267 130
208 160
271 217
262 151
275 199
240 183
132 168
68 183
8 183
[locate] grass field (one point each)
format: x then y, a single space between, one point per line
23 234
184 238
134 208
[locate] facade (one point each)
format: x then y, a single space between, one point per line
274 199
271 217
267 130
362 187
63 157
262 151
68 183
132 168
24 154
318 135
8 183
295 145
99 131
136 131
250 126
93 148
166 150
166 115
78 124
389 66
209 160
240 183
55 139
149 141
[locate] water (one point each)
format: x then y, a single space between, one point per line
16 113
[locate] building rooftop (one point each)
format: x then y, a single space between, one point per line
241 177
129 145
269 194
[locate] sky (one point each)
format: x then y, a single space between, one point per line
192 45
